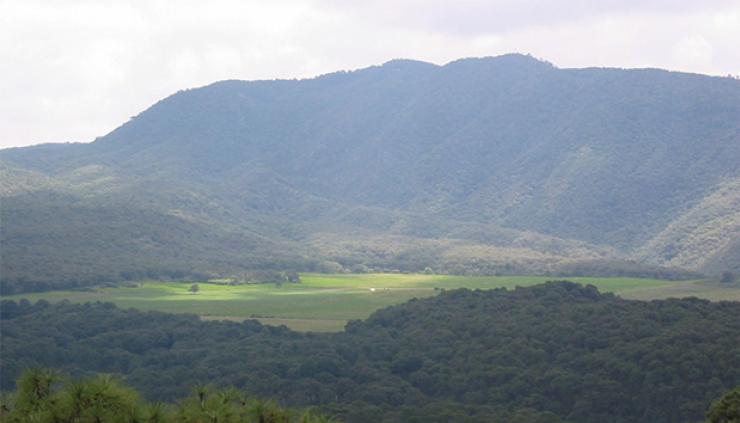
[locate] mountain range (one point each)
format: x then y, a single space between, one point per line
505 164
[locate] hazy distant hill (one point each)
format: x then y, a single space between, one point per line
501 164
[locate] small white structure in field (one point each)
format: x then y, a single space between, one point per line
372 289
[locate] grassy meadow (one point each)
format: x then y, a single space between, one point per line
324 302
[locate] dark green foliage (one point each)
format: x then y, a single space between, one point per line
98 399
403 166
725 409
622 268
103 399
85 245
554 352
265 276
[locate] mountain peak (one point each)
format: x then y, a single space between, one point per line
510 59
407 64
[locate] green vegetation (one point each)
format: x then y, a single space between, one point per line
324 302
492 166
553 353
41 398
711 224
725 409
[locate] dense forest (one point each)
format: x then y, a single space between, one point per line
550 353
497 165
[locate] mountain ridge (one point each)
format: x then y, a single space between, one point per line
607 158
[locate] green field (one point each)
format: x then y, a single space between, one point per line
325 302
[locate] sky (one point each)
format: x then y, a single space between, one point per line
73 70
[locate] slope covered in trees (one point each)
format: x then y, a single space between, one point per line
507 161
705 234
554 352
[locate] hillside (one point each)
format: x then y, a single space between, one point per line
493 165
705 235
552 353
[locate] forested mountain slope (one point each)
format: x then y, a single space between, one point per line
472 162
550 353
706 234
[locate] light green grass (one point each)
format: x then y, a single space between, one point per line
325 302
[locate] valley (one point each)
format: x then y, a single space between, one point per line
325 302
490 239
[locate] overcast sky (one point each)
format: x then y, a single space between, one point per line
73 70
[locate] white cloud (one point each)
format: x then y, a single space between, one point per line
693 51
75 69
